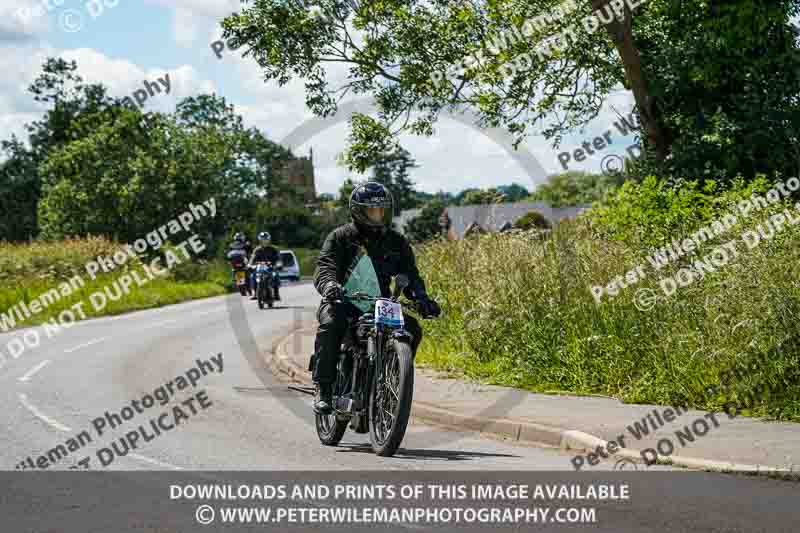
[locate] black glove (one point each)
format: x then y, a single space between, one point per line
428 307
332 291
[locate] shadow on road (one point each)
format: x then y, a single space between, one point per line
406 453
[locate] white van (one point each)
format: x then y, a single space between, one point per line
291 266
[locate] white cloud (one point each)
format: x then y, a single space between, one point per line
192 15
203 8
185 26
123 78
21 20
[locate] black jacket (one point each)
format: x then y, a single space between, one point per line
246 246
390 254
265 253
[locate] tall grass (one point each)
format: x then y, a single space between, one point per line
518 311
29 270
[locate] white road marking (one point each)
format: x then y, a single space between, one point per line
84 345
209 312
41 416
34 370
159 324
153 461
61 427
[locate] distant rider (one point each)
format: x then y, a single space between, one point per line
371 210
241 246
266 252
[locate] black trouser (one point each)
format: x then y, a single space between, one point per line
332 327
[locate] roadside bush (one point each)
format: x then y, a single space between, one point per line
538 326
654 212
531 220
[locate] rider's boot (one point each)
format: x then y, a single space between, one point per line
277 294
323 400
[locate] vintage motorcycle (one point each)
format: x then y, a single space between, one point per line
374 382
266 280
239 271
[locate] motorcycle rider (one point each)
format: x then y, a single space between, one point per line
371 211
241 245
266 252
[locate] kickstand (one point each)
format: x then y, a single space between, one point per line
306 390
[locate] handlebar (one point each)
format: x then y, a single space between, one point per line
363 297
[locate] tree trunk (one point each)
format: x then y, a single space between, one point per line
622 36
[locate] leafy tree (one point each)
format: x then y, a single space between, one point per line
129 174
344 193
391 169
425 226
446 198
532 219
68 99
513 192
703 75
478 196
575 187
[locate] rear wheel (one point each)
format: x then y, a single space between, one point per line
390 399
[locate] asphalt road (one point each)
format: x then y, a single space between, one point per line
243 420
56 390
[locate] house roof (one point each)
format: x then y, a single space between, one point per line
494 216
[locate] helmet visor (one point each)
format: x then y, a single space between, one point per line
374 215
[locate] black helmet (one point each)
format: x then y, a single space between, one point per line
371 194
239 237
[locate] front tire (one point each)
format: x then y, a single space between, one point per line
330 429
390 399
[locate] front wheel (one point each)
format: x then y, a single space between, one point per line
331 428
391 394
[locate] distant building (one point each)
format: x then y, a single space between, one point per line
469 219
401 220
298 173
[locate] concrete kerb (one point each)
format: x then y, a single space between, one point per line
281 364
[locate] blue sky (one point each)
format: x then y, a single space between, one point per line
131 41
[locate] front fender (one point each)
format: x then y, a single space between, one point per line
401 335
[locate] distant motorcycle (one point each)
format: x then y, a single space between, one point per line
266 281
239 272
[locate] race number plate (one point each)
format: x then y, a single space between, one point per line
388 313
